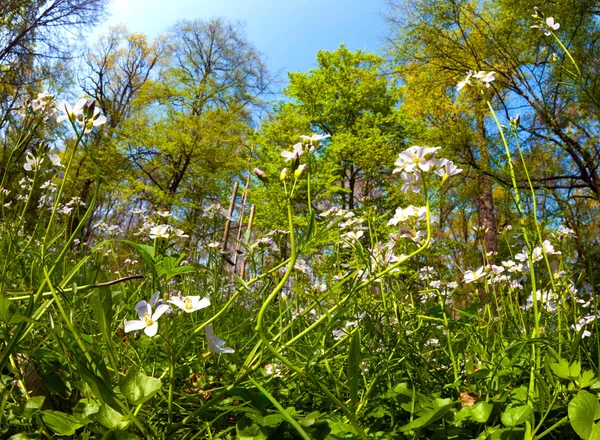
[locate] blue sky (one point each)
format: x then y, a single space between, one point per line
288 33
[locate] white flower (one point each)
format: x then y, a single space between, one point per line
179 233
471 276
215 344
74 113
32 163
148 320
497 270
77 113
403 214
413 157
353 235
163 214
411 182
45 100
314 138
273 370
447 169
551 25
564 232
296 152
189 304
66 210
55 159
548 248
400 216
521 256
214 245
483 78
160 231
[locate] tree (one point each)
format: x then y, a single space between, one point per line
186 141
446 39
117 69
348 98
33 34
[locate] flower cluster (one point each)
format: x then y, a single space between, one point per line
414 161
308 144
165 231
546 26
44 103
150 312
84 113
479 78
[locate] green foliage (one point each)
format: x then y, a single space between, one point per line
345 312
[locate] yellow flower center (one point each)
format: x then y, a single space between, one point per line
187 303
148 319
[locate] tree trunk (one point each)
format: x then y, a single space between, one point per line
487 217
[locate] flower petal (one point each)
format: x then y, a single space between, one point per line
142 308
154 298
160 310
151 330
176 301
134 325
204 302
78 106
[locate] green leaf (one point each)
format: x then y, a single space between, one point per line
137 387
595 434
111 418
310 419
583 409
506 434
354 364
246 429
439 410
563 370
97 382
516 415
85 409
60 423
33 405
273 420
586 379
101 302
481 411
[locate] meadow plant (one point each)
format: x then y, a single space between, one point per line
344 326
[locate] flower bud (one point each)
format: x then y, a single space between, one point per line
299 171
537 12
262 176
137 335
515 122
89 108
170 313
284 174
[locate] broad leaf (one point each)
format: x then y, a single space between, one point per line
583 409
137 387
61 423
481 411
111 418
516 415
